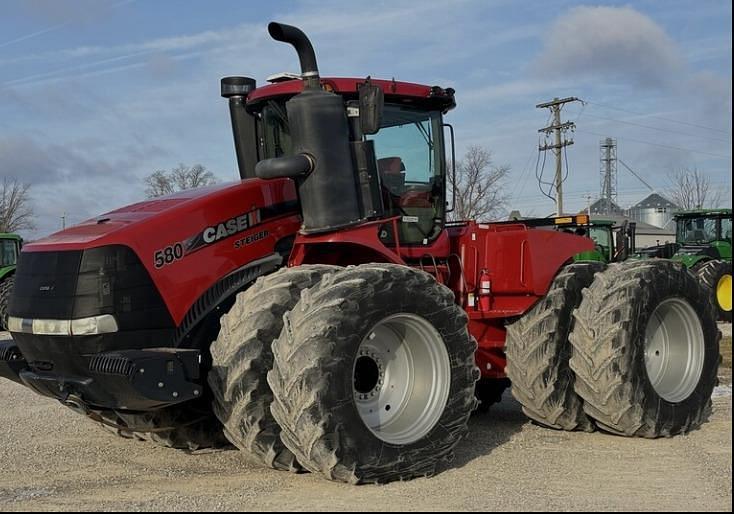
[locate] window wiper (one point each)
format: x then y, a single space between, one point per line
279 112
424 133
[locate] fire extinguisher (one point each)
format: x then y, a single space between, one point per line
485 291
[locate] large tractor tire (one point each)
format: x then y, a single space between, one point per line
6 287
242 356
646 349
538 353
374 375
716 276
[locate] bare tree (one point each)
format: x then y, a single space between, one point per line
15 210
161 182
479 190
691 189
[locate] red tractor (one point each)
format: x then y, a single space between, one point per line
362 358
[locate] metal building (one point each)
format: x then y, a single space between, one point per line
654 210
605 207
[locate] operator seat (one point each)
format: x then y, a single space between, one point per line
413 205
696 235
392 174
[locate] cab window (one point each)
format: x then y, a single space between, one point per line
410 161
8 252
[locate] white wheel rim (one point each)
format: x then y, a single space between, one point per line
402 378
674 350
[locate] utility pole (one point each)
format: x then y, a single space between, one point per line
559 129
63 220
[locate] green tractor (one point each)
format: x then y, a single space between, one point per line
614 243
703 245
9 249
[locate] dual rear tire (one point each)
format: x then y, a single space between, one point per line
646 350
631 349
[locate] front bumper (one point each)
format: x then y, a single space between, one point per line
133 380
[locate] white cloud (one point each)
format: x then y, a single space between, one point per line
617 43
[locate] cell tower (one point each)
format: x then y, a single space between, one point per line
608 159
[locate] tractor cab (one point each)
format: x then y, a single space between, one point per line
405 180
704 227
9 249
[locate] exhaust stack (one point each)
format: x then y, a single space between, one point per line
295 36
322 164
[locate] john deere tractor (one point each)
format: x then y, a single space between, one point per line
9 249
703 245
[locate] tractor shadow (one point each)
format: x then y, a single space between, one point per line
490 430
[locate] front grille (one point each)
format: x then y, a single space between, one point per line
112 365
82 284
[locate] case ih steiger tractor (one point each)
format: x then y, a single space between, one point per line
168 319
703 245
9 249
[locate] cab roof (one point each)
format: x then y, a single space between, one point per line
701 213
419 95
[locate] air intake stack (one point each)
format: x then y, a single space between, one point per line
236 90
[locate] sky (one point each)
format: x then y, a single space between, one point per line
97 94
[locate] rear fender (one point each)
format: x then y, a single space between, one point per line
6 272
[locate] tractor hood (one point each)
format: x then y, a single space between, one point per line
144 219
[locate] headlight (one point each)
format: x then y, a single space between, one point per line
103 324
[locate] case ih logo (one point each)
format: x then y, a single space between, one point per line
223 230
231 227
209 235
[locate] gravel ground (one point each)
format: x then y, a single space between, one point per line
52 459
725 329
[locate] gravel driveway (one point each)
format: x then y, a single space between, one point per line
51 458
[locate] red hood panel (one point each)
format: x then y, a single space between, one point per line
105 229
190 240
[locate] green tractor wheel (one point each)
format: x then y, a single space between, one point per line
716 277
6 286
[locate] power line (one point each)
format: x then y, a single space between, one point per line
581 194
657 128
636 175
658 117
659 144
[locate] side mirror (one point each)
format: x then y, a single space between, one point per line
371 103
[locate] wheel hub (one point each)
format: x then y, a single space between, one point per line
674 350
723 293
402 377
